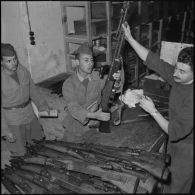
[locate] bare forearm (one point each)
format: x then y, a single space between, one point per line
91 115
99 115
141 51
162 122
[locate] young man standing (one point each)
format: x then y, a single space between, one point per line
82 94
179 127
17 90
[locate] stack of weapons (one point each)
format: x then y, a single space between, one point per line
57 167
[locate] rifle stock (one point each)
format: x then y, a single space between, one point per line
40 181
155 165
27 186
10 186
61 167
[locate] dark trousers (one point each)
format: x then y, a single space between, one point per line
181 168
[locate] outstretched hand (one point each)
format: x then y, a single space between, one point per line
102 116
127 31
147 104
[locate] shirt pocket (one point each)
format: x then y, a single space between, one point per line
94 94
10 91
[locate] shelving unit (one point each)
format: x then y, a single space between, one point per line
150 35
88 27
70 38
149 31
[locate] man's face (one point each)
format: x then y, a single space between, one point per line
183 73
86 63
9 63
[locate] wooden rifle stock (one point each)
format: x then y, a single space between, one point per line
10 186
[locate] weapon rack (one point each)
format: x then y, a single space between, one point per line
99 24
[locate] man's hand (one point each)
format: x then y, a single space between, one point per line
99 115
117 75
127 31
147 104
9 137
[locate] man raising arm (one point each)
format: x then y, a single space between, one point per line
179 127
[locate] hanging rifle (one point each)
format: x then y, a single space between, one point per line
116 64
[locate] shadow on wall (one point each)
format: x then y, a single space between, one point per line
173 33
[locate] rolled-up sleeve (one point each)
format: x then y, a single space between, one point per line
182 125
77 111
161 67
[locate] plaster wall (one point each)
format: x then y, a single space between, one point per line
46 58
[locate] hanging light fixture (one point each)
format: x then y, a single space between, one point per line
31 33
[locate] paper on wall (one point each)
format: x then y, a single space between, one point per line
170 50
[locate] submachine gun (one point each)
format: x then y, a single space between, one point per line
111 83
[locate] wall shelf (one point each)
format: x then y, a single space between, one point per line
149 30
73 3
90 33
75 38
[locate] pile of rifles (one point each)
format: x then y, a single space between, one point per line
57 167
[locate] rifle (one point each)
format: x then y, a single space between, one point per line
9 185
132 152
41 181
116 65
126 150
154 167
58 174
27 186
154 164
77 165
139 163
147 182
60 177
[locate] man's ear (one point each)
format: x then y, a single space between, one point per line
76 62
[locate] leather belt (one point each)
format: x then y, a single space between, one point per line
18 106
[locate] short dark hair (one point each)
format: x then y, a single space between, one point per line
7 50
186 56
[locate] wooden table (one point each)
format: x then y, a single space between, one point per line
137 129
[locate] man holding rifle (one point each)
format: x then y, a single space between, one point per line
179 127
82 94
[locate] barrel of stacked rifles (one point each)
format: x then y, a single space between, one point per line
57 167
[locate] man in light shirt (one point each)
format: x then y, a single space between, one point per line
82 94
20 124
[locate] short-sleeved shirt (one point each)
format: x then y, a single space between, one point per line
14 93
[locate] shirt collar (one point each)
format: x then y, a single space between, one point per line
81 78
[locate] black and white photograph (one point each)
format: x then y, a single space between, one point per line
97 97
